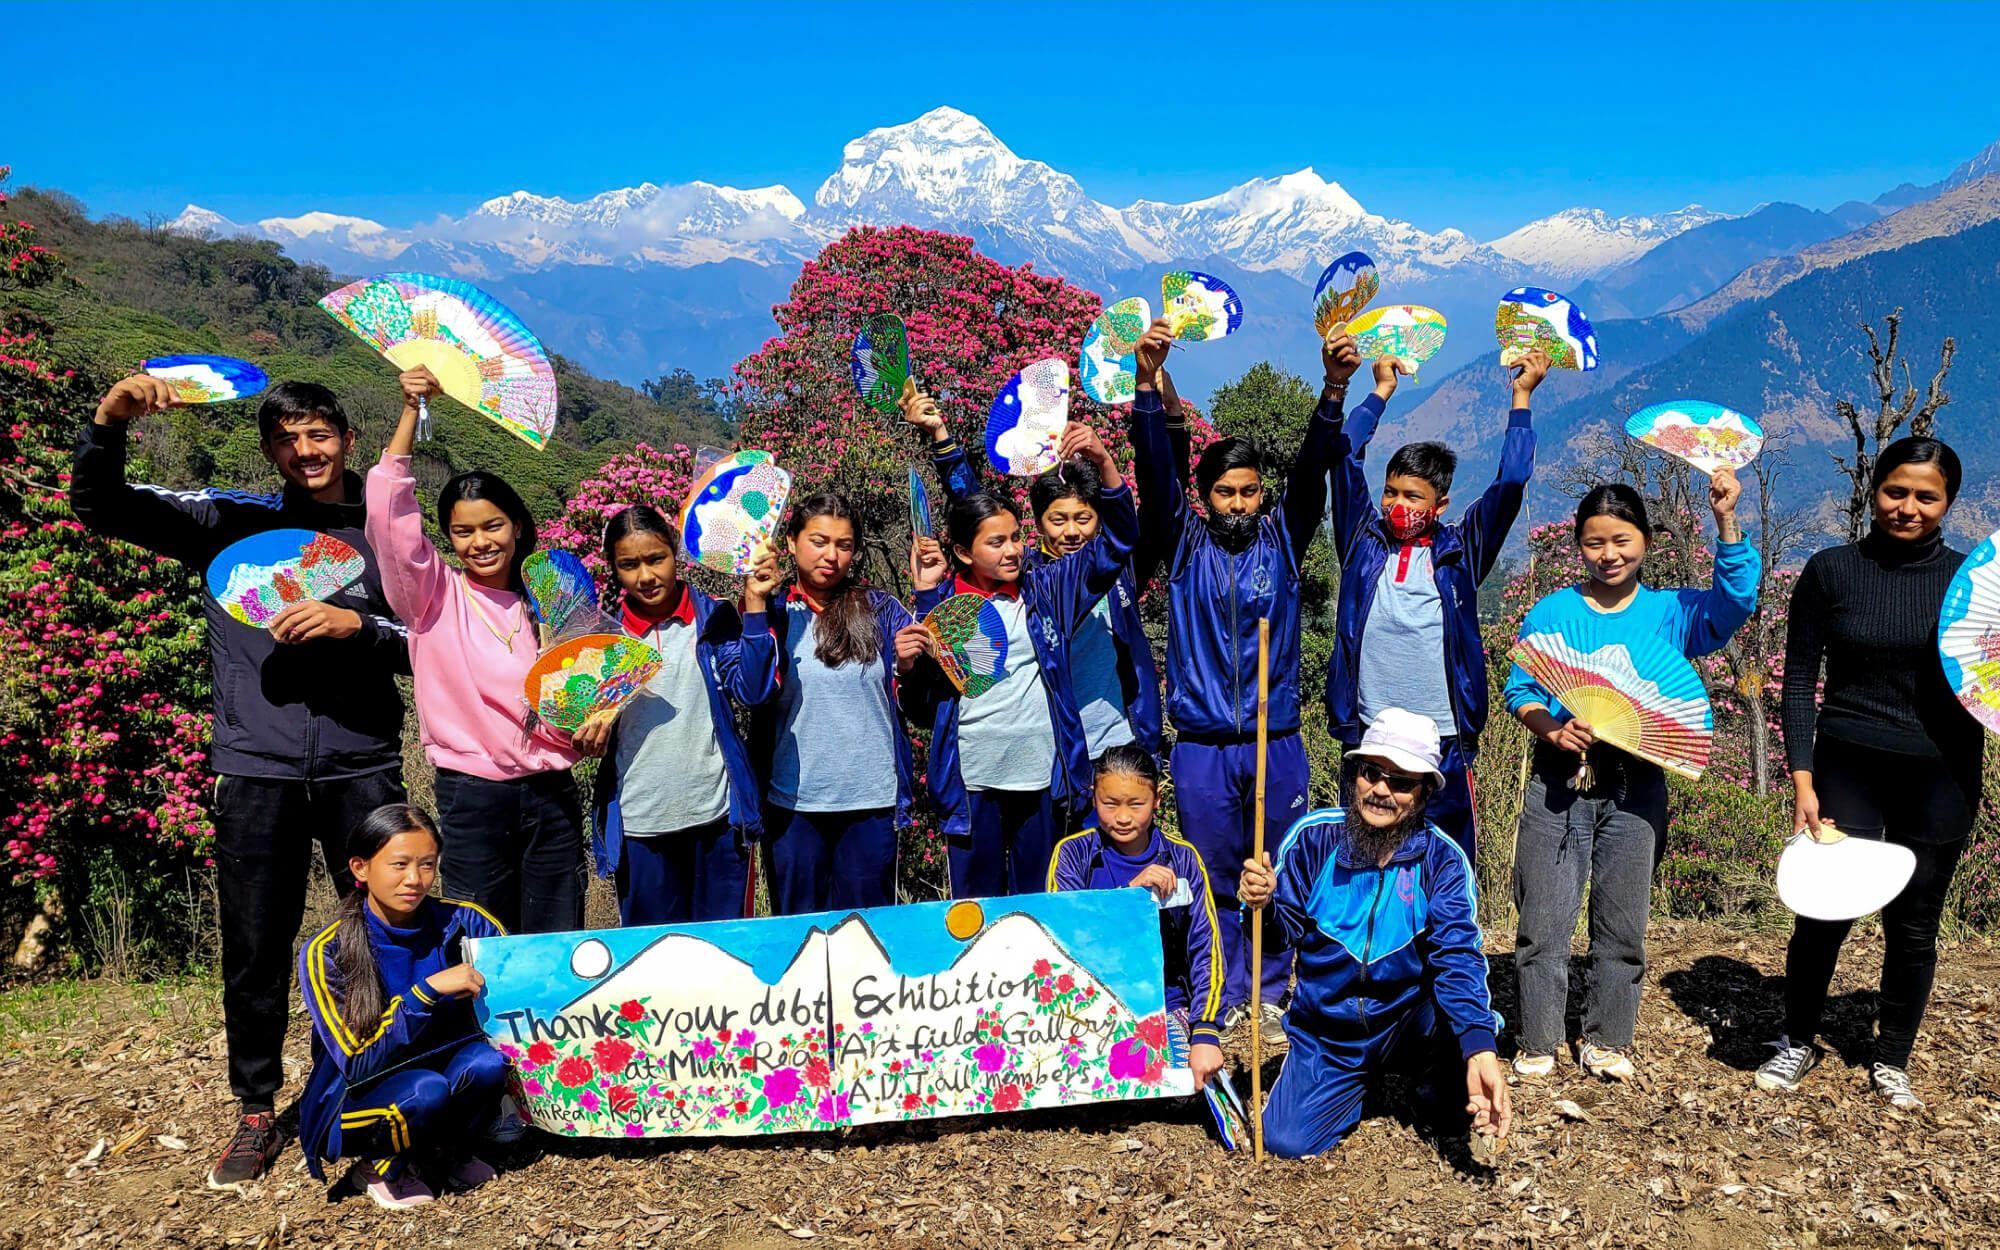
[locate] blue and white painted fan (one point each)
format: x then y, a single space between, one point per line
1532 316
1345 288
207 379
1024 427
1707 436
1199 307
1969 633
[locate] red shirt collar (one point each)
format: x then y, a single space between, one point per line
794 595
639 626
1009 590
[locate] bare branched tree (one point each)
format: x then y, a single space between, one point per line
1752 649
1895 406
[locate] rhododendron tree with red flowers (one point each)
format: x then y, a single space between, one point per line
103 690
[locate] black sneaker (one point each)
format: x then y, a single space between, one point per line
250 1152
1784 1070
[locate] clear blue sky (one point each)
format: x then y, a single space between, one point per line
1480 116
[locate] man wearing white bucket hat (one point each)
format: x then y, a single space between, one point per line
1381 908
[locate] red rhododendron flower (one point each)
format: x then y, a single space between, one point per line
541 1054
1043 968
1065 983
633 1011
1007 1097
1154 1030
911 1102
749 1063
818 1074
1045 994
622 1099
613 1054
574 1072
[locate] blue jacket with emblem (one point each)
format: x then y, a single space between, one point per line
415 1022
1058 595
1372 940
738 654
1462 554
1215 597
1138 677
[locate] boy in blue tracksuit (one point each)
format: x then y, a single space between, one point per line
1409 586
1381 909
1001 762
1125 848
1241 564
1111 675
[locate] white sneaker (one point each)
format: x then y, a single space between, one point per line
1603 1061
395 1195
1788 1067
1534 1066
1893 1084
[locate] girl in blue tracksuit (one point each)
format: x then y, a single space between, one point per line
1000 760
401 1072
1112 679
1126 848
1241 564
676 799
831 746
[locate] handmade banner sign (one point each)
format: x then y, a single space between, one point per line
1409 332
881 362
791 1023
1531 317
1969 633
1199 307
206 379
1707 436
1345 288
480 352
256 578
1639 695
734 507
1108 364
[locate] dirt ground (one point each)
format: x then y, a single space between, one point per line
115 1103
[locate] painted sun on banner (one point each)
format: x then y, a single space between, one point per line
799 1023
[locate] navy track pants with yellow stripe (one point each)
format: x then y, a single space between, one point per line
441 1099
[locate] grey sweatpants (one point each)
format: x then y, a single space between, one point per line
1608 838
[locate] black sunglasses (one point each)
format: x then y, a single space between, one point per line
1372 773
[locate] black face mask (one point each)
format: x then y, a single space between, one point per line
1233 533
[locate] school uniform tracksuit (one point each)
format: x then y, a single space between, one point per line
676 798
307 737
1215 598
999 823
1090 861
836 765
1386 955
1409 611
423 1075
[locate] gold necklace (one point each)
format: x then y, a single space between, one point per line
506 639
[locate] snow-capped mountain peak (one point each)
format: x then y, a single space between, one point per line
1583 242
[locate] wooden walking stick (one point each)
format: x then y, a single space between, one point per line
1257 915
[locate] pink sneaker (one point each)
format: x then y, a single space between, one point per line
394 1195
469 1173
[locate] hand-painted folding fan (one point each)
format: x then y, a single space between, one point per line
1969 633
1024 427
1707 436
1108 365
207 379
1842 879
561 593
1640 695
1531 317
482 354
733 508
972 642
881 362
1345 288
920 506
1199 306
256 578
587 674
1409 332
1225 1110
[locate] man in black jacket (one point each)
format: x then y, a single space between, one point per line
308 720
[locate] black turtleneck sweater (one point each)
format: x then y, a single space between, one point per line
1870 610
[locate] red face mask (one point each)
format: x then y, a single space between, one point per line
1407 524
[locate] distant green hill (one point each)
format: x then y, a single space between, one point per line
135 291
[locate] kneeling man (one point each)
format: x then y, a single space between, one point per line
1380 907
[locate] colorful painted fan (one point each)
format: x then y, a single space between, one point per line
734 507
1707 436
1641 696
881 362
1531 317
561 593
207 379
1024 427
256 578
482 354
1225 1110
1108 365
1345 288
1844 879
972 642
920 505
1409 332
586 674
1969 633
1199 306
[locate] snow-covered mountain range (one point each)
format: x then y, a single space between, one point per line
946 169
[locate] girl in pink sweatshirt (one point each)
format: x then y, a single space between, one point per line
508 806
